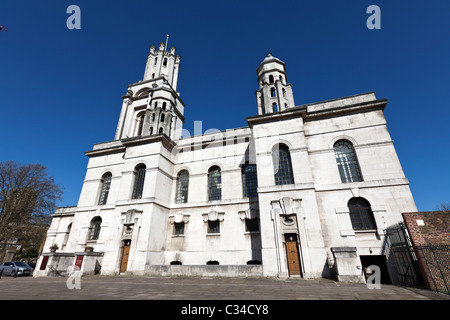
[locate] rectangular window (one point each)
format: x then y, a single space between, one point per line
178 228
252 225
214 226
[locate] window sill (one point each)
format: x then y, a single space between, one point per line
252 232
213 234
177 235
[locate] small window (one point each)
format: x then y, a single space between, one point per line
284 92
273 93
153 76
161 130
178 228
175 263
156 60
164 106
275 107
212 262
213 226
151 130
153 116
252 225
163 116
165 62
105 185
271 80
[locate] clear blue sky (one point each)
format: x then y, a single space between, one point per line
60 89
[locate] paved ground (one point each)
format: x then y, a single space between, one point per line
190 288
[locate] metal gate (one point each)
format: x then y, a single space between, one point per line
405 259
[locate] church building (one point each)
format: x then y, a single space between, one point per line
301 191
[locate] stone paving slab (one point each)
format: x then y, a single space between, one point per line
193 288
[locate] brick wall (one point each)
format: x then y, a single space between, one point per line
430 236
432 227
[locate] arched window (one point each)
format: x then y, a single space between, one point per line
250 181
156 60
282 165
161 130
273 94
284 92
347 162
361 214
94 228
275 107
164 106
214 184
271 80
162 117
139 178
165 62
104 191
182 187
139 123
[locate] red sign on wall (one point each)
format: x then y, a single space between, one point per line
79 262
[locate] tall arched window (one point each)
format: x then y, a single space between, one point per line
139 178
275 107
163 117
161 130
249 181
271 80
165 62
361 214
94 228
182 187
282 165
347 162
214 184
164 105
104 191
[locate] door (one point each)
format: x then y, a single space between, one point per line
292 255
125 254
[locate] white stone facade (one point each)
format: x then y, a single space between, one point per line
301 226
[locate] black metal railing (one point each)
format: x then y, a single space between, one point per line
434 260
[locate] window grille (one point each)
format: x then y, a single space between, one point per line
213 226
95 228
347 162
282 165
106 183
250 181
361 214
214 184
139 177
178 228
182 187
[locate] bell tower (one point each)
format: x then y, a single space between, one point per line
153 106
274 93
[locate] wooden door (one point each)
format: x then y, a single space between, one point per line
292 255
125 254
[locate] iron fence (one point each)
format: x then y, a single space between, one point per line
434 261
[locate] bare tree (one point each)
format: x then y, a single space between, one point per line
27 200
444 207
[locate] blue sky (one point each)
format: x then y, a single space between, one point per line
60 89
